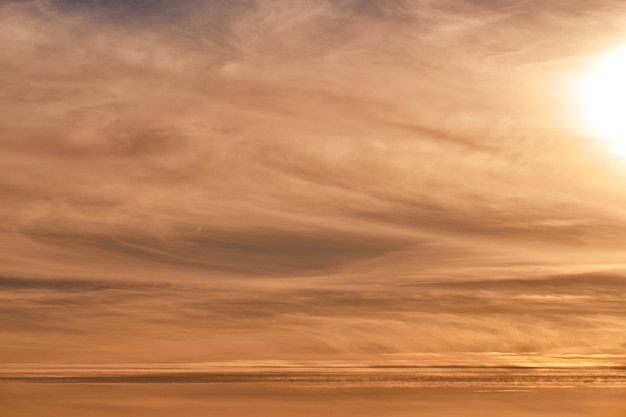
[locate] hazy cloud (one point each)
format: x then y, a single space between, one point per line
305 179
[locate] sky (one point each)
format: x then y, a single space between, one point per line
299 181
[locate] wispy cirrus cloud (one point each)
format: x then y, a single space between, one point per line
252 179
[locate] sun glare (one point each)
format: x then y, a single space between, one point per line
604 101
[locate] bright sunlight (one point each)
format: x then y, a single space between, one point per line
604 100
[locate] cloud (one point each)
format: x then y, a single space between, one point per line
255 178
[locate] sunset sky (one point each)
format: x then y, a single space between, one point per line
309 181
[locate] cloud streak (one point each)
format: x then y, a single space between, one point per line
304 180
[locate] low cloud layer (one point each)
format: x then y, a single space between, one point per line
305 180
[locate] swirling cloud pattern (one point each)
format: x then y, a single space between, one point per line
306 180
